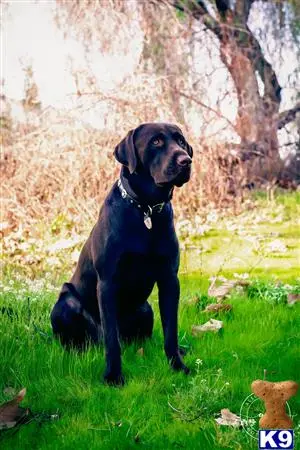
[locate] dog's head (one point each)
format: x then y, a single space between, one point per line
158 149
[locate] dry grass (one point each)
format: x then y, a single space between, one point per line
59 165
62 169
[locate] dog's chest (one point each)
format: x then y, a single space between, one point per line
134 268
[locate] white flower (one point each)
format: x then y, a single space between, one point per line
241 276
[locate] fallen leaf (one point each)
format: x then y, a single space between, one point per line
228 418
221 291
11 413
218 307
293 298
140 352
243 283
211 325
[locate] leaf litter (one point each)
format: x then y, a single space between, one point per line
212 325
228 418
220 291
292 299
13 415
218 307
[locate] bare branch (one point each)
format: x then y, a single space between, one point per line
288 116
200 103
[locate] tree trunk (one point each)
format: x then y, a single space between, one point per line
258 116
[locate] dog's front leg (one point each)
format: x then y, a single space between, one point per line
107 304
168 293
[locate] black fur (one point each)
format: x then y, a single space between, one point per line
106 298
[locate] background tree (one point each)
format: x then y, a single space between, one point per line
258 118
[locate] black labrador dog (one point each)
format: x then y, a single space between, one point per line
132 246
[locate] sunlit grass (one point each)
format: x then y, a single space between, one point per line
159 409
258 335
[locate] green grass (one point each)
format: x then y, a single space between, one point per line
244 243
261 333
157 408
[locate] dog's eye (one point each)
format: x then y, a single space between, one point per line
158 142
181 142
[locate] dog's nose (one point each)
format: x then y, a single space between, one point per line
184 160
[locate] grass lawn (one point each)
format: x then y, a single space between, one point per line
157 408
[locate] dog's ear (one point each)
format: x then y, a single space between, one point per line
125 152
189 149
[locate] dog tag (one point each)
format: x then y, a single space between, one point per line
148 221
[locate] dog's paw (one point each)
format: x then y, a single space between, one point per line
177 364
114 378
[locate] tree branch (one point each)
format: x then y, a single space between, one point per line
198 102
198 10
288 116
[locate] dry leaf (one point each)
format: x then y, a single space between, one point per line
293 298
221 291
243 283
11 413
211 325
140 352
228 418
218 307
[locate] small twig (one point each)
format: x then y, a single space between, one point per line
174 409
200 103
184 414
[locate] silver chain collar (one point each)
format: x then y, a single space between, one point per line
150 209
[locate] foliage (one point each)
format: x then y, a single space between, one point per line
270 292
